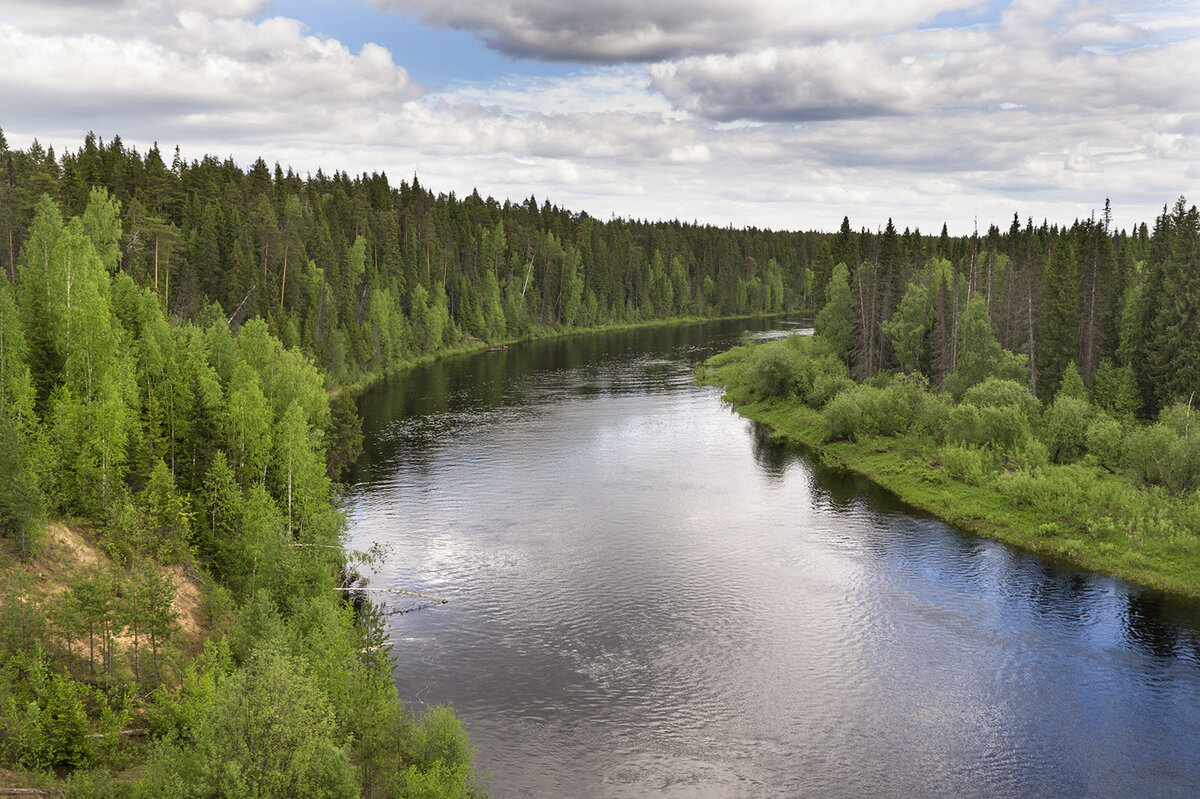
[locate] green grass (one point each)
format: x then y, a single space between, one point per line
1077 514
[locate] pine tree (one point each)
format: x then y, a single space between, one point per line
1058 320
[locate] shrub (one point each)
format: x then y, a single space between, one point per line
931 416
52 729
773 371
441 757
1183 465
963 425
1022 486
827 384
1146 452
259 732
887 411
843 416
1180 418
965 464
1004 428
1030 455
1064 429
996 392
1106 441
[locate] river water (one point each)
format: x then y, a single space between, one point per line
647 597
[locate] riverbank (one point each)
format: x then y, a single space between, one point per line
1078 514
476 346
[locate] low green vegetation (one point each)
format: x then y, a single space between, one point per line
1036 385
1072 478
187 632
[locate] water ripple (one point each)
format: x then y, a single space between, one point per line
648 596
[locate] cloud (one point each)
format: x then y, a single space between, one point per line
930 72
750 113
621 31
182 72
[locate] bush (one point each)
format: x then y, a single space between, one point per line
965 464
1183 465
1064 429
963 425
903 398
1030 455
441 757
1180 418
996 392
773 371
931 416
1146 452
1106 441
886 411
827 384
258 731
843 417
52 729
1022 486
1006 428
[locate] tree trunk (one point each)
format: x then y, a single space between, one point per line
283 281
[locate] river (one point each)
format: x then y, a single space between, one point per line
648 597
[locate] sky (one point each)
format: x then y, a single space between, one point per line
764 113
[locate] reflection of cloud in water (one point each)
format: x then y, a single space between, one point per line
642 582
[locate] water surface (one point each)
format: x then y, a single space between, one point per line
648 597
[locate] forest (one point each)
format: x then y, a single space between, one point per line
179 343
1039 389
363 276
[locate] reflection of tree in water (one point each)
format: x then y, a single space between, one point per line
1154 624
1054 591
772 455
459 388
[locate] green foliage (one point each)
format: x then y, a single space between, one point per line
1072 384
774 371
266 730
931 417
996 392
966 464
1058 321
835 322
205 444
51 730
1106 441
22 506
165 516
1064 429
442 766
175 713
844 415
980 355
1003 428
996 413
345 435
1114 389
910 325
1146 453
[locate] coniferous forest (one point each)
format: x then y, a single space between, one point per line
177 341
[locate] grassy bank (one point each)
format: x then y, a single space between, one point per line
1079 513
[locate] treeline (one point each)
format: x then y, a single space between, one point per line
207 447
1123 306
363 275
